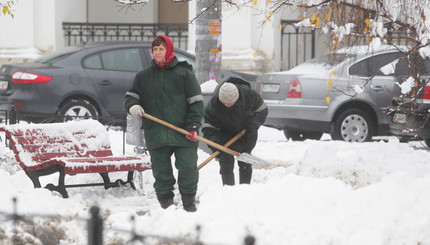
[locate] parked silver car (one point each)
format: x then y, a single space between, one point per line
347 94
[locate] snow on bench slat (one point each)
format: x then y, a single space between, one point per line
100 164
83 138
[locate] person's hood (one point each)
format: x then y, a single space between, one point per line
170 53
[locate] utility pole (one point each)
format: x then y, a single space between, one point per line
208 40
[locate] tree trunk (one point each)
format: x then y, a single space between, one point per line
208 40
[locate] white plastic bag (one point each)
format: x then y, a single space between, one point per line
134 134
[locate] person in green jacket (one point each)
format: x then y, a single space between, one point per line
168 90
233 107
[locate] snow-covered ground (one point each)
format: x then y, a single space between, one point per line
320 192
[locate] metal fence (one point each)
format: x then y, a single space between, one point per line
94 227
297 44
81 32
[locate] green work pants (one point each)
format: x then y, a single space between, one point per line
185 163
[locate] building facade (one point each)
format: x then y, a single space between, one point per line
249 43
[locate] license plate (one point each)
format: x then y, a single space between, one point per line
270 88
3 85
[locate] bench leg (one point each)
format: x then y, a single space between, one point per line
118 182
34 177
106 180
35 174
61 188
130 179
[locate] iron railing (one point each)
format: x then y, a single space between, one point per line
297 45
79 32
96 230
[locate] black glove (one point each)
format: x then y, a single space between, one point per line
238 146
222 157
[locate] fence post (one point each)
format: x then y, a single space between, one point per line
12 120
15 222
95 227
12 115
249 240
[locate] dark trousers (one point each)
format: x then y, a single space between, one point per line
185 163
226 163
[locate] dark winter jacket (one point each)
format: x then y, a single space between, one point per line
222 123
172 94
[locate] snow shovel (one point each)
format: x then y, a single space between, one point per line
236 137
243 157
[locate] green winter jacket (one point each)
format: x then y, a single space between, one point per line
171 94
222 123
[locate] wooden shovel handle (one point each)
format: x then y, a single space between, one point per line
236 137
181 130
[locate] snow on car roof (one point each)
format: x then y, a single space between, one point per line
365 49
309 68
323 65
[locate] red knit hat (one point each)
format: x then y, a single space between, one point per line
170 52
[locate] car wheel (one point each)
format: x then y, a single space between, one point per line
297 136
353 125
78 109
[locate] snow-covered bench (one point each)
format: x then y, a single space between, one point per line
74 147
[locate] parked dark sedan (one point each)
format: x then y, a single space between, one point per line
88 80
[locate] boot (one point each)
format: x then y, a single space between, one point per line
165 201
227 179
189 202
245 174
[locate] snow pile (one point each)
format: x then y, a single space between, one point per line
208 87
320 192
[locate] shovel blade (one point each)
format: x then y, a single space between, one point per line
245 157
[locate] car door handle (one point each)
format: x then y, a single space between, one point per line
105 83
377 88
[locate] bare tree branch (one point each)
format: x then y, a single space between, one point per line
203 12
129 4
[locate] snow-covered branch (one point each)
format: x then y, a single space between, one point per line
370 18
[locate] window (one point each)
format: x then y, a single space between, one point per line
415 65
371 66
117 60
93 62
182 57
427 66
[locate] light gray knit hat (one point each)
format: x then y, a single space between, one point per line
228 93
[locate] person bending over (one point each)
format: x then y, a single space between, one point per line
233 107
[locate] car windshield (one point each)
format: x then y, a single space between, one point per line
322 64
58 55
332 59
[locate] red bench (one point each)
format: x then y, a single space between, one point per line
74 147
